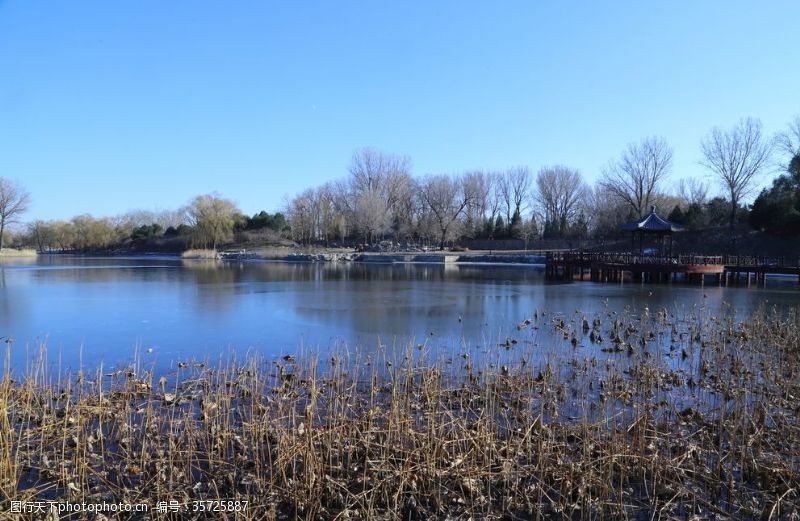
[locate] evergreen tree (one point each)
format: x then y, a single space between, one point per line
580 228
515 226
677 215
499 228
777 210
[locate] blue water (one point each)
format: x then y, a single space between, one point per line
87 311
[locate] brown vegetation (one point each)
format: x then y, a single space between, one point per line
11 252
640 415
200 254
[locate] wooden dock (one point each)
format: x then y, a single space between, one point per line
620 267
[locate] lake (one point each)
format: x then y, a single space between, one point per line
89 310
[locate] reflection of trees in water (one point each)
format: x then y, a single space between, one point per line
413 299
7 306
210 271
9 262
13 303
341 271
214 282
67 260
71 269
431 272
280 271
271 302
104 274
502 273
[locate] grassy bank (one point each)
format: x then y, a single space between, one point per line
200 254
688 417
13 252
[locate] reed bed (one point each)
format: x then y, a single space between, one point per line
14 252
200 254
645 415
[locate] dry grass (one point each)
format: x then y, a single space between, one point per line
13 252
200 254
691 417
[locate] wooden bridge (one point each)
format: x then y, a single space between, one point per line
618 267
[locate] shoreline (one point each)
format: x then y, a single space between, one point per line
529 259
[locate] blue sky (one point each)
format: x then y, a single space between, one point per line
111 106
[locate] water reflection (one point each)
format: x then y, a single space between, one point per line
103 308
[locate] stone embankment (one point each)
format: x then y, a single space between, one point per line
503 259
393 258
451 258
320 257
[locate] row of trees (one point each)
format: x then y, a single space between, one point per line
379 198
206 222
14 201
777 209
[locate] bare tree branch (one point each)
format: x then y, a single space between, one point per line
14 201
788 141
635 177
692 190
446 198
559 191
515 188
736 157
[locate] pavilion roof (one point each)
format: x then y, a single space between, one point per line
653 223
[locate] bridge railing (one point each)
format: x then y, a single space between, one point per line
588 258
744 261
754 261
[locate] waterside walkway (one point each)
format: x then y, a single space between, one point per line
619 267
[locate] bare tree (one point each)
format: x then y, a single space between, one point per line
330 221
64 235
301 211
343 208
788 141
375 175
399 189
736 157
635 177
40 235
371 170
693 191
604 211
92 233
446 199
405 211
14 201
559 191
479 186
495 181
372 216
515 188
169 218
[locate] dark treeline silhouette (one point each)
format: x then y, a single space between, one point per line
777 209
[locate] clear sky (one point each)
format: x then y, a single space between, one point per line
107 106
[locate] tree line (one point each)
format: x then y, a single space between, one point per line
207 221
379 199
